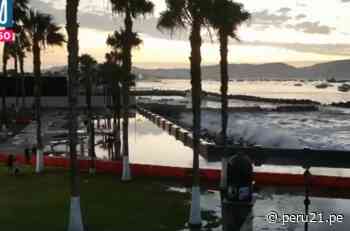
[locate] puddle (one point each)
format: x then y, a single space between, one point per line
281 201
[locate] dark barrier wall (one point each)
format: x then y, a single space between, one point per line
51 85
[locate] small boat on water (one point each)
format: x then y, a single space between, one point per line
332 80
344 87
323 85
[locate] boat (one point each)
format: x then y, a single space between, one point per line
323 85
332 80
344 87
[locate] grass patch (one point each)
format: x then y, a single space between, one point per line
41 202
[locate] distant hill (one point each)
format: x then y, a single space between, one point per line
339 70
163 73
60 70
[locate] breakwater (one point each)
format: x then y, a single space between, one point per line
217 96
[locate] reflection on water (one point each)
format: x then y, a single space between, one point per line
149 144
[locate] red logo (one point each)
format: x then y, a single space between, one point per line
7 35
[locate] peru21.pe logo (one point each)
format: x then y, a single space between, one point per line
6 13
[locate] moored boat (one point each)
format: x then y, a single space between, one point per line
344 87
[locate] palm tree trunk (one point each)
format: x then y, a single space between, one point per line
75 218
224 103
196 41
23 86
3 88
126 176
90 124
37 92
16 80
116 120
119 120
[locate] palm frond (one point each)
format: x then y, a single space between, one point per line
120 38
180 13
136 7
170 21
54 36
141 8
20 8
231 16
87 63
41 27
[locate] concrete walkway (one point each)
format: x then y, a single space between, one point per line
52 124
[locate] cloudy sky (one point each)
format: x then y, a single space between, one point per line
299 32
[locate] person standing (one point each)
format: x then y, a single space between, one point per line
10 162
27 151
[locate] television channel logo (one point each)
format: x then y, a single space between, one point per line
6 13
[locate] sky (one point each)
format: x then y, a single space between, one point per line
297 32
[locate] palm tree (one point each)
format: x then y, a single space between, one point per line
226 23
112 75
13 50
20 8
179 15
23 47
72 27
113 59
115 41
88 68
17 51
42 32
131 9
5 58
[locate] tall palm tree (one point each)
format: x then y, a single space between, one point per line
193 14
17 51
13 50
5 58
226 23
88 67
112 74
42 32
72 27
131 9
114 58
23 47
14 76
20 8
115 41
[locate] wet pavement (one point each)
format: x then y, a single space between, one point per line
283 202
